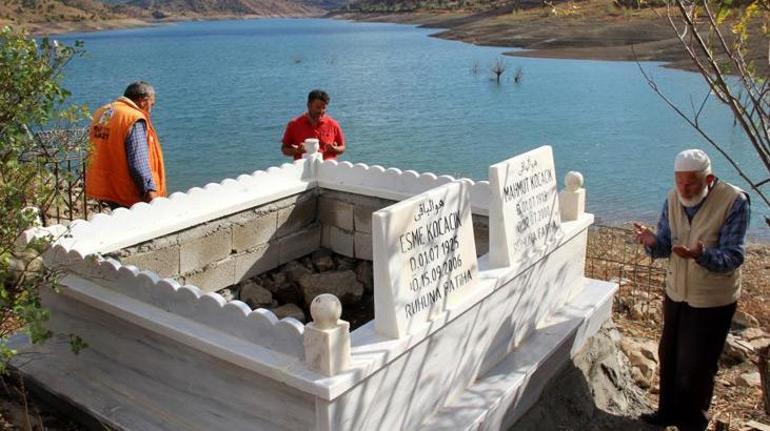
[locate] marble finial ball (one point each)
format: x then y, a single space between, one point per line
573 180
326 309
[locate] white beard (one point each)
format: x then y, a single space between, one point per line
695 200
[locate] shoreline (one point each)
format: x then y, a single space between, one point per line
588 30
585 37
588 37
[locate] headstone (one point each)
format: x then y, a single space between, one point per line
524 215
424 258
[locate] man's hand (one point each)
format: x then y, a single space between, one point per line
150 195
336 148
688 253
299 150
644 235
293 150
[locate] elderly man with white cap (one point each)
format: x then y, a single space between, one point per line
702 230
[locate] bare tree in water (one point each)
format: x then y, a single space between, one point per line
518 75
498 68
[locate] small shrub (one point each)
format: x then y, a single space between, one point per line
31 97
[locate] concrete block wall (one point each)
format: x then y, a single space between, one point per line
346 220
222 252
346 223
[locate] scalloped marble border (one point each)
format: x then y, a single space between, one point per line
393 183
234 318
104 233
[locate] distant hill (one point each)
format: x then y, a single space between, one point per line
328 5
22 11
203 8
69 15
386 6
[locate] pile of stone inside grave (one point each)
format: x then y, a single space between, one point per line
288 289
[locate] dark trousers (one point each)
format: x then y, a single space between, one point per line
690 346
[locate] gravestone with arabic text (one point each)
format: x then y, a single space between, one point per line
524 216
424 258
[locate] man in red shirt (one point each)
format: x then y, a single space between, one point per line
314 124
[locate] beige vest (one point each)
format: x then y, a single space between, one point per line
687 281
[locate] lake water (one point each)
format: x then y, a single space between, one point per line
226 89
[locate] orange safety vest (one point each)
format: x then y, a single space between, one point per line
107 175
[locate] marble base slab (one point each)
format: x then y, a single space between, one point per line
501 397
121 397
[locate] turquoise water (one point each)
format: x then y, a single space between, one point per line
227 88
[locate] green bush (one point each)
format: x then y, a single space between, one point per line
31 98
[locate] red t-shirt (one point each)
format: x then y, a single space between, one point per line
327 131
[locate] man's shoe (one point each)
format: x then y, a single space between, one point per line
657 419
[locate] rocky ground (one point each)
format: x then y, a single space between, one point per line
613 255
595 392
737 395
611 382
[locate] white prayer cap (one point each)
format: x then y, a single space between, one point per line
693 160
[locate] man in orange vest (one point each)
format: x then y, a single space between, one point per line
126 161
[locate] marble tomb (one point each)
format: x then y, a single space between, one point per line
479 287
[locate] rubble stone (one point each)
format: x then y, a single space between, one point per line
289 310
736 350
742 319
295 270
255 296
322 260
748 380
342 284
751 334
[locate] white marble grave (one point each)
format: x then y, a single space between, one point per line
424 258
524 211
164 355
